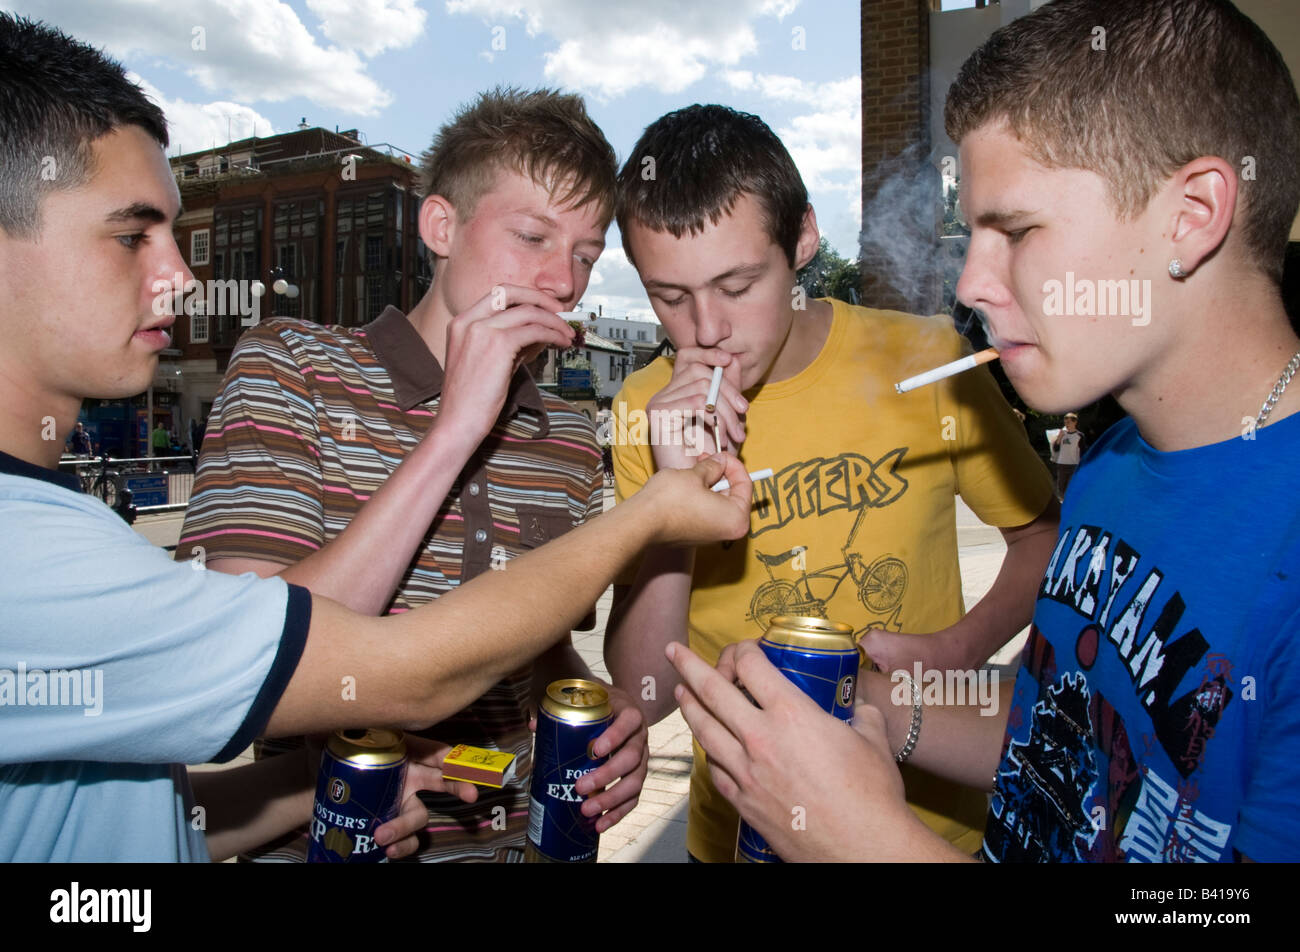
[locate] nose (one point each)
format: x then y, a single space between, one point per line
556 276
711 324
171 263
981 285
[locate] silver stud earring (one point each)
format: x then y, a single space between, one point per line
1176 268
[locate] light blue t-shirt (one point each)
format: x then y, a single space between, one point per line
116 666
1156 714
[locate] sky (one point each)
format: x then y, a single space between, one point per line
397 69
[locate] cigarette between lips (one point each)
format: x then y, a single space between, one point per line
722 485
711 401
960 365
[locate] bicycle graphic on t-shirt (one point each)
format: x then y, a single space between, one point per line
880 585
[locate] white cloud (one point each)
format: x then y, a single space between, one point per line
826 144
196 126
609 50
249 50
615 285
370 26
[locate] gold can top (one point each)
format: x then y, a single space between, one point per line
368 747
815 634
577 700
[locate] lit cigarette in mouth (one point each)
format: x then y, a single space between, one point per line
722 485
947 370
711 401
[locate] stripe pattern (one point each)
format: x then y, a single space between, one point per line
306 429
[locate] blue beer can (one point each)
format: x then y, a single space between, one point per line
572 715
358 789
822 658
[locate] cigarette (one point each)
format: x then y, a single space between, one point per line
717 435
722 485
711 401
947 370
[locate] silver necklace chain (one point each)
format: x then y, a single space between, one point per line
1279 388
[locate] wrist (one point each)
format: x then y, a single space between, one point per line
448 440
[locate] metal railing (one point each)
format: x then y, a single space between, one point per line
106 477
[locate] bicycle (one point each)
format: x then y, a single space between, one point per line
99 480
880 585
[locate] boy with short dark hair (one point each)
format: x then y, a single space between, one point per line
858 522
1156 715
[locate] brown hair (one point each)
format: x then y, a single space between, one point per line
690 166
1134 91
543 134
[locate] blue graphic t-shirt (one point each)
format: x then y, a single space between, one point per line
1156 714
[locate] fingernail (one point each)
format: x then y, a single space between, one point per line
671 650
679 691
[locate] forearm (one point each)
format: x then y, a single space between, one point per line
651 614
962 743
363 565
244 807
559 661
417 668
1008 606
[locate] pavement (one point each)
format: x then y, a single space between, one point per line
655 832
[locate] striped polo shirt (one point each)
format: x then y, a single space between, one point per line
310 421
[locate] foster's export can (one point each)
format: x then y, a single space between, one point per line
573 714
358 789
822 658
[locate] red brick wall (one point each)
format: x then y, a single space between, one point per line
895 116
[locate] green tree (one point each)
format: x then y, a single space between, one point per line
830 275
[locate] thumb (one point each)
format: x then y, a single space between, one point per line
710 469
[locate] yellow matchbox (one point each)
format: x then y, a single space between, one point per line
487 768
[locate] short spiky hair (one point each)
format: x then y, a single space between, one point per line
690 166
1176 80
57 96
543 134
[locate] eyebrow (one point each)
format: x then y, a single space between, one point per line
138 211
740 271
1000 219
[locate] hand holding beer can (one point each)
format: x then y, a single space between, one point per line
822 658
358 789
573 714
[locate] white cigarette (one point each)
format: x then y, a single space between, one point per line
717 435
722 484
711 401
947 370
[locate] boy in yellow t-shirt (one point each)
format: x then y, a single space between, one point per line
857 522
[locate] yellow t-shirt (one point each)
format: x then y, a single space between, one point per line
858 522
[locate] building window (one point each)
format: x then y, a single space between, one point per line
199 244
199 326
372 265
640 335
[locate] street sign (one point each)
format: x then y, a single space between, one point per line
148 490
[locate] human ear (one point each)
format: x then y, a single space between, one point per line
1206 192
437 224
809 239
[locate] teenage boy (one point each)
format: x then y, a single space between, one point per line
858 522
1157 712
384 466
178 665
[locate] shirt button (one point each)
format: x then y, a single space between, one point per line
480 535
473 489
